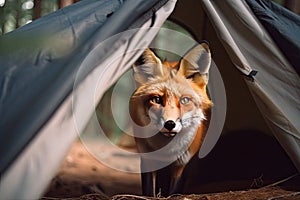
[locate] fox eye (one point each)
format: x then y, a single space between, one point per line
156 100
184 100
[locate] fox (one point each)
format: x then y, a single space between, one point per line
171 110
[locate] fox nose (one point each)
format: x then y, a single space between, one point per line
169 125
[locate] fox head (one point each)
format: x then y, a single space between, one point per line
171 97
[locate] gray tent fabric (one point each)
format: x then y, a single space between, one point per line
39 67
276 86
282 25
45 55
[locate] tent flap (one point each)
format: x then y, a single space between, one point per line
38 76
276 86
45 55
282 25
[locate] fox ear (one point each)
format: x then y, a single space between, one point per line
147 67
196 63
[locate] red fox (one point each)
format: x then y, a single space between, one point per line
172 108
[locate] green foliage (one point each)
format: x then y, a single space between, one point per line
49 6
17 13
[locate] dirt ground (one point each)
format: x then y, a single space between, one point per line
83 177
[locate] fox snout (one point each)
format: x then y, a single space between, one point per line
171 128
169 125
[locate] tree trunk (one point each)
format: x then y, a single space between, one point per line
18 9
297 7
64 3
37 9
290 4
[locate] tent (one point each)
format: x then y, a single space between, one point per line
47 66
40 64
268 32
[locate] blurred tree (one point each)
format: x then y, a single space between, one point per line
16 13
8 15
64 3
290 4
37 9
293 5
